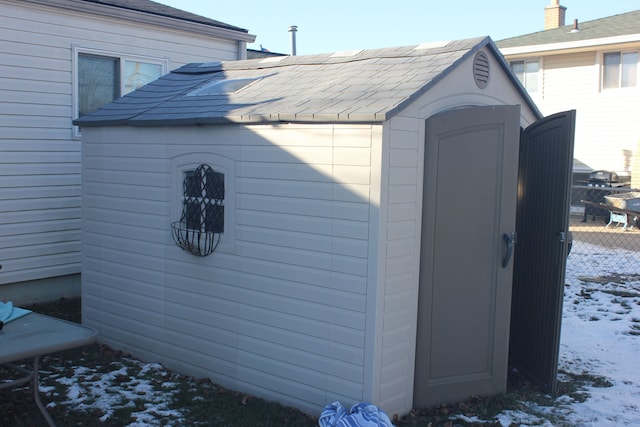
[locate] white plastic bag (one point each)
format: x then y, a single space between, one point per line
361 415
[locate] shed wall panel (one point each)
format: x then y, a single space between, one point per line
281 312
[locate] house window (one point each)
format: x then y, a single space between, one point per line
620 69
202 222
101 78
527 72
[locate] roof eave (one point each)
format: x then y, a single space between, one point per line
209 30
571 46
246 120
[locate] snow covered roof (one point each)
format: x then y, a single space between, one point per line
360 86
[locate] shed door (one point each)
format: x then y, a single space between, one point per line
542 224
469 204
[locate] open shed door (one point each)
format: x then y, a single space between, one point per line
542 225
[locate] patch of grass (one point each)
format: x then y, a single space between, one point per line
620 293
108 388
521 395
574 384
635 328
153 396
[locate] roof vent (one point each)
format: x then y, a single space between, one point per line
481 70
575 28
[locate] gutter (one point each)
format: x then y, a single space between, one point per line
575 45
147 18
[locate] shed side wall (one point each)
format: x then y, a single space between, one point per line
282 312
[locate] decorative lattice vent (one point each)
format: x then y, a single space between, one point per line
481 70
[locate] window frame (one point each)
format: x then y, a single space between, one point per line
524 62
620 67
122 58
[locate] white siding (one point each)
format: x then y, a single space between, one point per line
39 159
282 312
607 129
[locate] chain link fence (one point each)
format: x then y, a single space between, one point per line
609 236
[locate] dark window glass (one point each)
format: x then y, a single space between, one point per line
193 215
203 205
98 82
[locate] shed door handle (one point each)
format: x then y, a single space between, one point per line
510 241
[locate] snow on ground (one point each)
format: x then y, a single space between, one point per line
600 338
122 385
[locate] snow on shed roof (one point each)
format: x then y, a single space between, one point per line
365 86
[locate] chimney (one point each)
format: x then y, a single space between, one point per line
293 29
554 15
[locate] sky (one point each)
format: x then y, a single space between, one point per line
336 25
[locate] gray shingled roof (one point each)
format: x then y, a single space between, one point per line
159 9
616 25
368 86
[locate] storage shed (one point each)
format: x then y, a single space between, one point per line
312 228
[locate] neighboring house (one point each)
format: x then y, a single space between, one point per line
324 227
61 59
591 67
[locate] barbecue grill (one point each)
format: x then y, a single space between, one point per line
601 184
606 179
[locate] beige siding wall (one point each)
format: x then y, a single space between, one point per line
402 215
281 311
39 158
607 129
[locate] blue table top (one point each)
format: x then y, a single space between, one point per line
36 334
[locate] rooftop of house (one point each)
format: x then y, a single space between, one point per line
154 8
361 86
611 26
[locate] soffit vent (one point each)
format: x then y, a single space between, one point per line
481 70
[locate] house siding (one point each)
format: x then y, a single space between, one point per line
39 157
606 129
296 285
